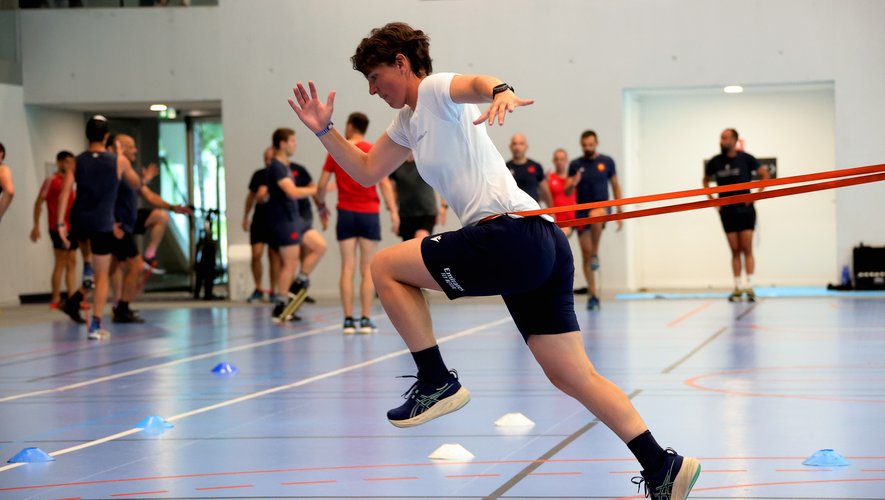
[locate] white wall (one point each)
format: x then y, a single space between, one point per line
575 57
32 136
795 236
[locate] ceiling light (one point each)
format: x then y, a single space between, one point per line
158 107
733 89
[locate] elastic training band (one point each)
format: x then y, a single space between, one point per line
856 175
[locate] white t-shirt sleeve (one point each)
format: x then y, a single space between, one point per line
435 94
398 130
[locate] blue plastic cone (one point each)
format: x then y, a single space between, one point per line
29 455
154 424
224 369
826 458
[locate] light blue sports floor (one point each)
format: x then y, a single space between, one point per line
751 389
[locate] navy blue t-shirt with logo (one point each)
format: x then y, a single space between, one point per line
302 179
279 205
595 175
729 171
528 176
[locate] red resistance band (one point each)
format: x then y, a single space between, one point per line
858 175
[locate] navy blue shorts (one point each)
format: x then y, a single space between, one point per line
101 243
358 225
527 261
284 233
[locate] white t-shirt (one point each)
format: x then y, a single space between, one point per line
456 157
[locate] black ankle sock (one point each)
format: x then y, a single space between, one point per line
649 453
431 367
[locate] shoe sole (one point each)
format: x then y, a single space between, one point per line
452 403
683 484
100 335
366 331
348 331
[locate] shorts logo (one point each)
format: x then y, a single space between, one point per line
293 235
600 167
450 280
436 238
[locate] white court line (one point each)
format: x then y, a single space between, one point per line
170 363
265 392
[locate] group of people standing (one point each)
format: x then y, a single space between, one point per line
92 202
279 217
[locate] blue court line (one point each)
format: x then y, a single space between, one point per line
762 292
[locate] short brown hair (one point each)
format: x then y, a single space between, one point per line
281 135
384 43
359 121
589 133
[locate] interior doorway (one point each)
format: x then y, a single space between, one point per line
671 132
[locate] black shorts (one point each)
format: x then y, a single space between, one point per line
259 232
358 225
124 248
143 214
408 226
101 243
284 233
527 261
59 245
736 218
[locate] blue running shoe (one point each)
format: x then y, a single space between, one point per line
673 481
593 303
96 331
367 326
88 277
256 295
349 327
594 263
424 402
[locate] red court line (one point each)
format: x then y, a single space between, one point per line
459 476
803 470
407 478
872 470
693 383
689 314
294 483
779 483
389 466
208 488
158 492
555 473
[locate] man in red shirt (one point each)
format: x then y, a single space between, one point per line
556 180
358 225
65 258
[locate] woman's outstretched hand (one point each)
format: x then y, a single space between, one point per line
504 102
312 112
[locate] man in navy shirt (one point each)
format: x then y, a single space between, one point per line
528 173
738 220
591 175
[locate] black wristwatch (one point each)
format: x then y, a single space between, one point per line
504 87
